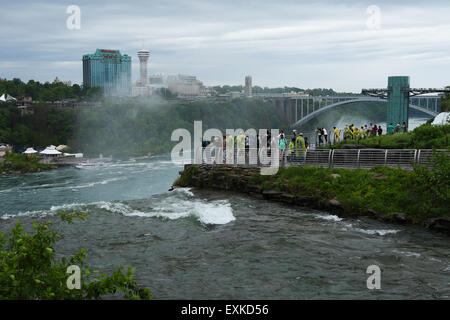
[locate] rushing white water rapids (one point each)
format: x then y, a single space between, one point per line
200 244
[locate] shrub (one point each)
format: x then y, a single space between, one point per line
22 163
29 268
432 187
421 194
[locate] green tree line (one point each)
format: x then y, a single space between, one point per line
46 126
129 127
257 89
48 91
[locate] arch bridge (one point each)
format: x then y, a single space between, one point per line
297 109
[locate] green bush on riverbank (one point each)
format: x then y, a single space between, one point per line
420 194
16 162
31 269
423 137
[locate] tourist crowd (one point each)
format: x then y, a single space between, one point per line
295 147
352 132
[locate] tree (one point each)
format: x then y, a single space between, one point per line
30 270
445 102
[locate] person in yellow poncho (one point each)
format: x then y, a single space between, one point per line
336 135
361 134
240 144
354 133
300 146
230 148
367 132
291 146
347 132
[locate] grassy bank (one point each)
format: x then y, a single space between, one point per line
420 194
20 163
417 196
423 137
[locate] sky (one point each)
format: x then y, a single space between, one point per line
344 45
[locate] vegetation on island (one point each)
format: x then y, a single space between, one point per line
419 194
425 136
21 163
32 270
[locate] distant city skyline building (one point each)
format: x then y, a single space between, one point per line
248 86
184 85
156 79
108 69
140 90
67 83
143 56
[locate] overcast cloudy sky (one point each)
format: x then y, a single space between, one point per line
307 44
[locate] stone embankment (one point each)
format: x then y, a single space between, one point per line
239 179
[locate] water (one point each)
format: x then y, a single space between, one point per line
197 244
416 122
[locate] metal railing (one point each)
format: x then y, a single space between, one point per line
327 158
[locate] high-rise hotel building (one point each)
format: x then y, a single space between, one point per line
108 69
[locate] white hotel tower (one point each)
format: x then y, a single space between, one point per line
143 56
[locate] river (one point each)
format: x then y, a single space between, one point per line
191 244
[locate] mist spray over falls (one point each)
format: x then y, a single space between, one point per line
359 114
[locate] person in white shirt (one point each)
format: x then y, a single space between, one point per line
325 135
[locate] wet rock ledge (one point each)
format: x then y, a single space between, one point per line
240 179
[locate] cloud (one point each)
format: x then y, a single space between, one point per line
295 43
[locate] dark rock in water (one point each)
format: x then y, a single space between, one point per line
439 224
283 197
399 217
171 188
304 200
380 216
334 203
270 194
256 195
323 204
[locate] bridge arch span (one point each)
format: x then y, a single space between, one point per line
364 99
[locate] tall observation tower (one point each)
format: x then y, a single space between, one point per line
248 86
143 59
